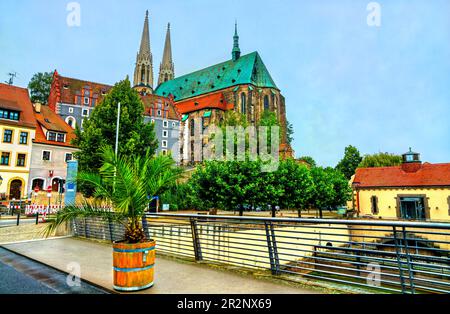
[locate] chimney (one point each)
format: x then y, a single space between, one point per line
37 107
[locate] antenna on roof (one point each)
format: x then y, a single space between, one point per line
11 75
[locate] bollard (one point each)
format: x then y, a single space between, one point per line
37 217
18 217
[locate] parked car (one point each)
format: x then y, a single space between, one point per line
3 210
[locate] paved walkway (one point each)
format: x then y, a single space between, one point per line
171 277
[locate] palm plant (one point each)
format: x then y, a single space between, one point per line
125 183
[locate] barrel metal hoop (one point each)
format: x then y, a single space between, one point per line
134 250
132 288
128 270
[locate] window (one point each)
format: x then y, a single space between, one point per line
4 161
374 202
68 157
173 124
21 160
153 120
60 138
9 114
165 133
413 207
51 136
164 144
71 122
164 151
23 138
266 102
70 110
243 104
192 126
7 136
46 155
159 112
85 112
86 100
165 124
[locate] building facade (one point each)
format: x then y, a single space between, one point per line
167 124
73 99
17 130
411 191
51 150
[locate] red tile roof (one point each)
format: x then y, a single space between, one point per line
65 90
151 103
210 101
53 122
427 175
17 98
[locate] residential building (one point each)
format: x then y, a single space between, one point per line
167 123
74 99
52 149
17 129
411 191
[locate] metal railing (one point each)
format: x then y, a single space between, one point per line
381 256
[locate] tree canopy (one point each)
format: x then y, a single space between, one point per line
380 160
349 162
39 87
135 136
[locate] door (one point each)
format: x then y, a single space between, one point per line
412 208
15 189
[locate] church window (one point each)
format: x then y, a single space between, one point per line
243 103
233 80
166 78
192 126
266 102
143 75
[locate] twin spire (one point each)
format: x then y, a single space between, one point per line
143 72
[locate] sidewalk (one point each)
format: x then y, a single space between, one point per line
171 277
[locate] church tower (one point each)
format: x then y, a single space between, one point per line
166 69
143 72
236 52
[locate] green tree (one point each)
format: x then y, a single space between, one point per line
289 132
309 160
39 87
380 160
124 182
349 162
135 136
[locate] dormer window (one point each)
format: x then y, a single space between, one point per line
66 86
56 137
9 114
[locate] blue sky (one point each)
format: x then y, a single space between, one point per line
378 88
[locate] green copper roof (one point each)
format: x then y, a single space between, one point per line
248 69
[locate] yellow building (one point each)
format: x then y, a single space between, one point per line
411 191
17 131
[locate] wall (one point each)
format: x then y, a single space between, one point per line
11 172
387 202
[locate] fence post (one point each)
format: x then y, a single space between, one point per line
273 266
85 228
408 259
275 250
399 262
37 217
196 240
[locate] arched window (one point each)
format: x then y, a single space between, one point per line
71 122
243 104
266 102
192 126
143 75
38 183
166 77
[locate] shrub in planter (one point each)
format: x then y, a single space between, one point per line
125 182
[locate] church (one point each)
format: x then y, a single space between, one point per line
242 84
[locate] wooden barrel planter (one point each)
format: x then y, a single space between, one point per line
133 265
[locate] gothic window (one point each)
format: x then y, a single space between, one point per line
266 102
192 126
243 104
143 75
166 77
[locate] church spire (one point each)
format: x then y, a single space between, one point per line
236 53
166 69
143 73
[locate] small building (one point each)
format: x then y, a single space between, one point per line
411 191
52 149
17 129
